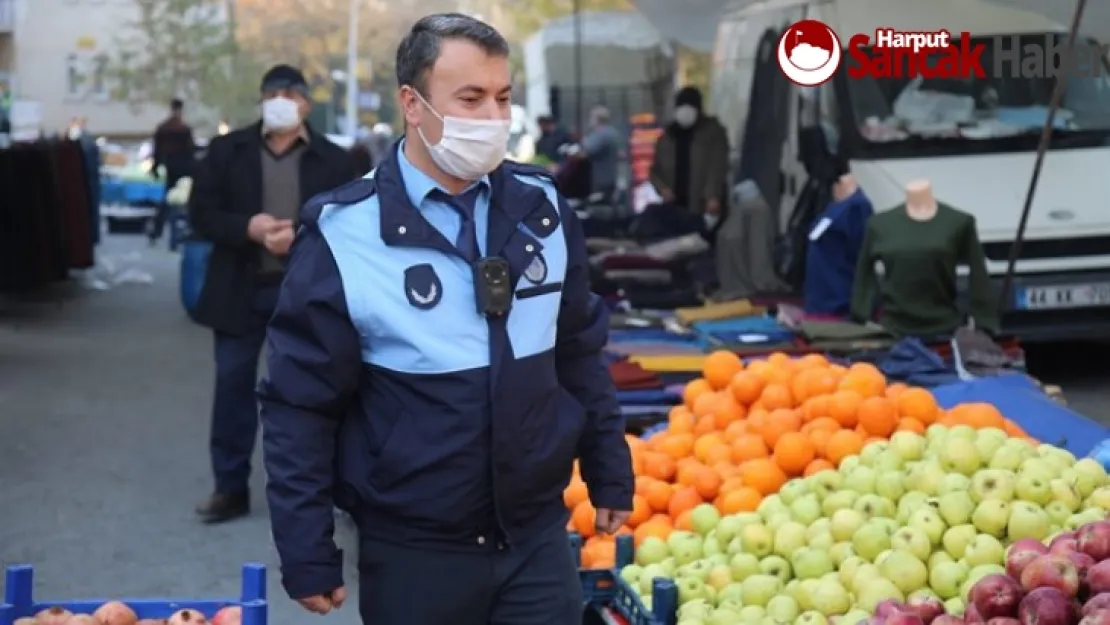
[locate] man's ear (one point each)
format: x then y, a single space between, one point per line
410 105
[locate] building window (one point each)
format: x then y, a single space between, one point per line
99 86
75 77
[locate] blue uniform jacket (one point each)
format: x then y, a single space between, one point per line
390 396
834 243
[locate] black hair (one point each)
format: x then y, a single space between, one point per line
177 105
419 50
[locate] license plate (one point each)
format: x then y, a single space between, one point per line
1076 296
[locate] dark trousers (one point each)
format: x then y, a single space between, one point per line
158 223
533 583
234 406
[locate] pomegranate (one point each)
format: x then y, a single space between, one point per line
187 617
82 619
231 615
56 615
116 613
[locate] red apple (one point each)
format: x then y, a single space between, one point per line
972 616
1064 543
996 596
1094 540
888 607
1098 617
232 615
1082 562
1003 620
928 608
1098 578
948 619
1047 606
903 618
1052 571
1022 553
1100 601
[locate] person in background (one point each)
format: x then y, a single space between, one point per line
690 168
174 155
553 138
246 198
446 424
603 147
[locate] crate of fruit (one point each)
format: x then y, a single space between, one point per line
613 596
21 608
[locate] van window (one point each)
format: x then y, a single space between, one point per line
995 110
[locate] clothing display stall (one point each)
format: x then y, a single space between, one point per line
48 221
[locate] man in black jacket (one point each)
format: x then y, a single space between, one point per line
175 150
246 196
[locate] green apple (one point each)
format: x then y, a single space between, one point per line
691 589
873 506
1034 489
993 484
847 570
698 568
955 507
711 546
954 482
854 617
631 574
848 464
977 573
705 518
1006 458
680 537
888 461
783 609
758 540
733 593
861 479
1091 476
866 574
937 557
961 432
811 617
925 477
991 517
912 540
830 598
652 551
648 576
889 485
776 566
687 551
778 520
875 592
905 570
724 616
1028 520
845 522
806 509
670 566
752 615
936 433
770 506
729 528
743 566
696 609
825 483
1058 511
955 606
871 539
793 489
872 451
838 500
910 502
719 577
1066 493
840 552
821 541
818 527
1099 498
1039 467
760 589
810 563
956 539
946 578
908 445
1065 457
789 537
984 549
928 520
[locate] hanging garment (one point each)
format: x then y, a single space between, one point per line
745 261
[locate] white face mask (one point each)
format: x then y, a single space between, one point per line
686 116
468 148
280 114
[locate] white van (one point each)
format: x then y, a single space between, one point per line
1062 282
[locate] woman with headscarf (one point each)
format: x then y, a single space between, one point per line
691 158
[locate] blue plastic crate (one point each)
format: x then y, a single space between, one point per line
605 589
19 601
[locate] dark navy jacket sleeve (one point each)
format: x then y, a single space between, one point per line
583 330
313 367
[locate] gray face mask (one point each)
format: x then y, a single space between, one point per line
686 116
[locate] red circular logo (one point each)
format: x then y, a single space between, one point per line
809 53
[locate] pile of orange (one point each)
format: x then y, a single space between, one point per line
744 430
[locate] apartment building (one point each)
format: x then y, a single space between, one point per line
53 53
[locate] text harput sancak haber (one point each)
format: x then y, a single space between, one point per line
936 54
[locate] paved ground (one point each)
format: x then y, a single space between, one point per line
103 422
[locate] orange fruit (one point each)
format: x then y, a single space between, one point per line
658 465
583 518
680 419
778 423
844 407
654 527
843 443
735 430
775 396
705 443
717 454
763 474
793 453
748 447
817 466
684 522
907 424
705 425
677 446
980 415
746 387
683 499
868 382
658 496
918 404
727 411
575 493
878 416
743 499
720 367
816 407
820 439
695 389
895 390
707 483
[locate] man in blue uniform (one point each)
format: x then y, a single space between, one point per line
435 367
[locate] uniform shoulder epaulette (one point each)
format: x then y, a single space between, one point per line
528 169
351 193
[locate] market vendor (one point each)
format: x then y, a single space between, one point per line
435 367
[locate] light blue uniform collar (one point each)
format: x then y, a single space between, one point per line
419 184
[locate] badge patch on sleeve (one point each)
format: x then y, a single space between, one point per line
423 287
536 272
